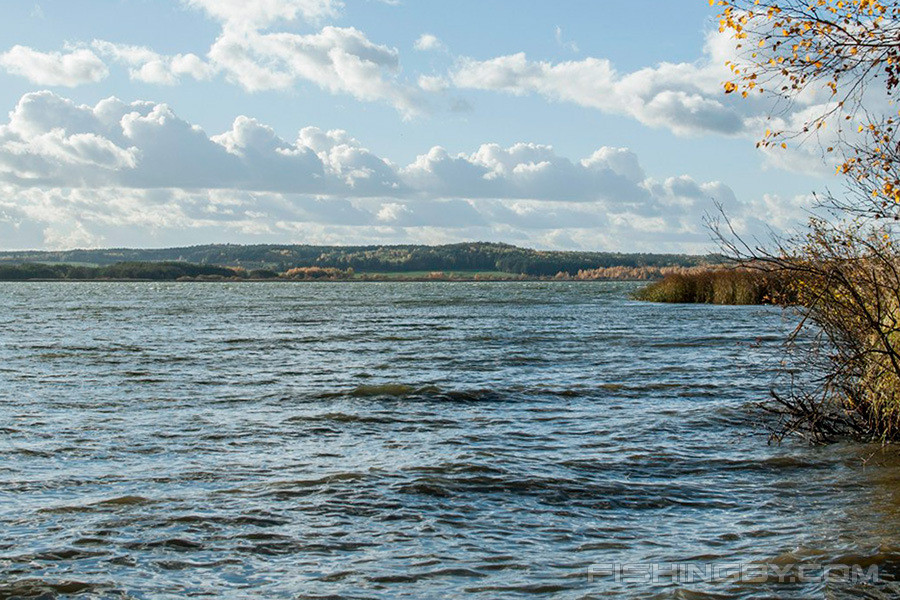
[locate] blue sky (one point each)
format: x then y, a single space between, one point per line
571 124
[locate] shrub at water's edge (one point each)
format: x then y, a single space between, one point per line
851 293
317 273
716 286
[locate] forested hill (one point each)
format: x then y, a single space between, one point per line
453 257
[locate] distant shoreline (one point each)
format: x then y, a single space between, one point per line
357 280
135 271
266 261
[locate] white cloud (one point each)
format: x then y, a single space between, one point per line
80 149
138 217
150 67
67 69
428 43
522 171
337 59
433 83
570 46
253 52
50 140
671 96
340 60
83 174
257 14
686 98
619 160
72 235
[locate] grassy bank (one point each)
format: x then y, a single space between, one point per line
715 286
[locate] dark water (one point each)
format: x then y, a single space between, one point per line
408 440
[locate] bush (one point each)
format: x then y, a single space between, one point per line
317 273
846 280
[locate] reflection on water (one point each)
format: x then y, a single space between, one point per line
408 440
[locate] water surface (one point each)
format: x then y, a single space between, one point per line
407 440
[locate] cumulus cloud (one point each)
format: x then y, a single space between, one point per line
60 236
671 96
433 83
337 59
67 69
428 42
521 171
340 60
255 50
685 98
80 175
50 140
150 67
241 14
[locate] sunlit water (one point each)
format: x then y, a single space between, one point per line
408 440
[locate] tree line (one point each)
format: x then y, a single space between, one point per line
125 270
368 259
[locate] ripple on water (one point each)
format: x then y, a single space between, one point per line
406 441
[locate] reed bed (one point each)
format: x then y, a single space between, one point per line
716 286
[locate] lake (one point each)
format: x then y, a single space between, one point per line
413 440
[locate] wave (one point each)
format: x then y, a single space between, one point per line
404 391
40 588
